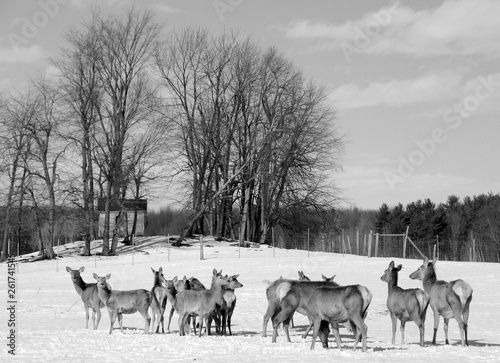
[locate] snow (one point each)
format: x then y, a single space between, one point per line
50 318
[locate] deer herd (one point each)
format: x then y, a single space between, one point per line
325 303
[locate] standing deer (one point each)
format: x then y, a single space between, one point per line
225 311
335 305
159 299
123 302
201 303
279 289
178 286
405 305
448 299
90 298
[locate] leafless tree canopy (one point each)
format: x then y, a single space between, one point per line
133 103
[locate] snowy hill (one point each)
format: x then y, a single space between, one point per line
50 318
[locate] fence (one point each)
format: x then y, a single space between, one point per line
391 245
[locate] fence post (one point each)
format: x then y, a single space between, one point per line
357 242
404 242
370 237
168 247
133 249
376 244
308 241
474 250
201 250
272 231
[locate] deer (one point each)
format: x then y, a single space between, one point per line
90 298
405 305
178 286
334 305
160 296
200 303
123 302
448 299
278 289
225 311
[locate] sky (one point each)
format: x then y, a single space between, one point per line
415 85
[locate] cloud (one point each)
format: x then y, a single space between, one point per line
456 27
31 54
164 8
429 87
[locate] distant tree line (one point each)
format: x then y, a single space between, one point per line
456 225
129 106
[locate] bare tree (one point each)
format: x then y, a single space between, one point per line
82 88
17 110
46 151
126 45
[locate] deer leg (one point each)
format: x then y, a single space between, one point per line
271 310
98 319
228 325
181 324
170 318
93 318
120 321
335 328
466 319
147 321
361 329
394 322
286 326
86 316
436 325
112 318
446 321
316 326
403 322
308 328
323 333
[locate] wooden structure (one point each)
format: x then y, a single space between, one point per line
129 207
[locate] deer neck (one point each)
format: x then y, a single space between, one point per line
393 282
216 291
103 293
79 285
157 281
429 278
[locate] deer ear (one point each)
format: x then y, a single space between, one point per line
399 267
426 261
324 277
433 263
68 269
214 271
82 269
160 269
236 276
152 269
95 276
391 265
108 276
175 279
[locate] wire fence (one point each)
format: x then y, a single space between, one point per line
394 245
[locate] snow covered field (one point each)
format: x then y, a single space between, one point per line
50 318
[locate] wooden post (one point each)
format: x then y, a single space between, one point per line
364 245
201 250
272 232
370 237
404 242
57 260
437 247
357 242
474 250
168 247
349 244
133 249
376 244
434 254
308 241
